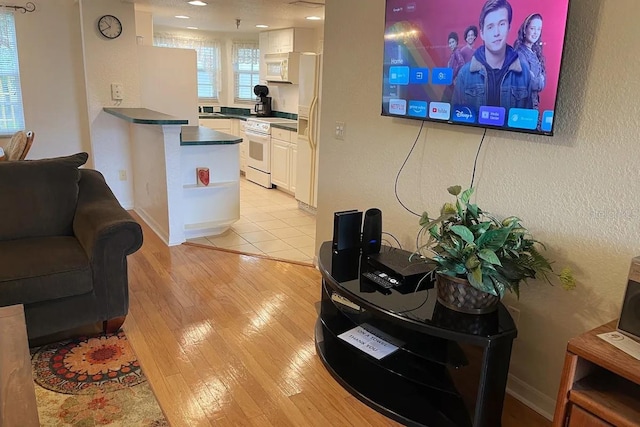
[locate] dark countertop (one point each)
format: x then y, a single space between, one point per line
286 126
201 135
222 116
145 116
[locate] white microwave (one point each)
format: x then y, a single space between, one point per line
282 67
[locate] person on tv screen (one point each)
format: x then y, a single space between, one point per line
456 61
529 47
495 75
470 36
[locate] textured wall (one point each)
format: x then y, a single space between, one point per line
110 61
577 191
52 78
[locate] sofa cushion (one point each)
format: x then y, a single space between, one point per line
42 269
39 197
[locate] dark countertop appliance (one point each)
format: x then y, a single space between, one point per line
263 106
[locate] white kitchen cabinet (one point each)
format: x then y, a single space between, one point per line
280 163
288 40
264 46
283 159
243 147
222 125
235 127
293 161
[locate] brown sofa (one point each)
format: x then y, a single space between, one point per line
64 241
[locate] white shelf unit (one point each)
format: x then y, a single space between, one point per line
210 186
212 209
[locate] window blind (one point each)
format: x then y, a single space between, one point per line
246 66
11 110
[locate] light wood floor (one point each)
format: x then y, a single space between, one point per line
227 339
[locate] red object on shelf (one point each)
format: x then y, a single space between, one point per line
202 176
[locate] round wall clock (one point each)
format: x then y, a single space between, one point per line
109 26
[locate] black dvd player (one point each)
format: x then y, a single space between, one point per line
402 265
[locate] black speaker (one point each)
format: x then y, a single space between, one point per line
346 230
629 322
372 231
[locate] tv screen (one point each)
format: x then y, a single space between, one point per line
486 63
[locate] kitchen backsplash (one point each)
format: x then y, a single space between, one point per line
243 111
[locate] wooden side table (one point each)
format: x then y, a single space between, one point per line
600 384
17 394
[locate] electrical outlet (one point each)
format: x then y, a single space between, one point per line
515 314
117 92
122 175
341 130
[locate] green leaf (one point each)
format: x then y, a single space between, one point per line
424 219
489 256
508 222
479 228
473 263
488 286
475 277
466 195
454 190
473 209
493 239
567 279
463 232
448 209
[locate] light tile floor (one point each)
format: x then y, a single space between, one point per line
270 224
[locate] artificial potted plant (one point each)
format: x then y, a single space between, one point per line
479 257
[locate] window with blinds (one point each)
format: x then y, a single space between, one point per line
11 111
208 61
246 66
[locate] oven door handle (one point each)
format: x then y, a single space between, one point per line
257 137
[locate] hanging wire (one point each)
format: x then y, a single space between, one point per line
29 7
475 162
395 189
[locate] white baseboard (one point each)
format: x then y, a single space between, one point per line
533 398
152 225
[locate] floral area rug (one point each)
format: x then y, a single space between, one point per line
93 381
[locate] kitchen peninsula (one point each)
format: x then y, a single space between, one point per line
164 157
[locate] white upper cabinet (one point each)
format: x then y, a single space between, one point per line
288 40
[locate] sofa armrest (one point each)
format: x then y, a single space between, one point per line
108 234
100 217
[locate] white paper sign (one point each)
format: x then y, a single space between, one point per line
371 344
624 343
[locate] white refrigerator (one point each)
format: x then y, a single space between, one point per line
310 82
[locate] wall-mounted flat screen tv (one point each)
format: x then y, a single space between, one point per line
486 63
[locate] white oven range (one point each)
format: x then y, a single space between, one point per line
258 133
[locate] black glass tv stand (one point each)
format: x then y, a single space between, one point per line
450 368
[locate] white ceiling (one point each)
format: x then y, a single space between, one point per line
221 15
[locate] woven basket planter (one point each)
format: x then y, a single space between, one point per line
457 294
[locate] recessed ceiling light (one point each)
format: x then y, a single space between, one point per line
262 26
182 17
192 28
314 18
197 3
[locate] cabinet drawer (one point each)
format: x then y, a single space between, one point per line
581 418
281 134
